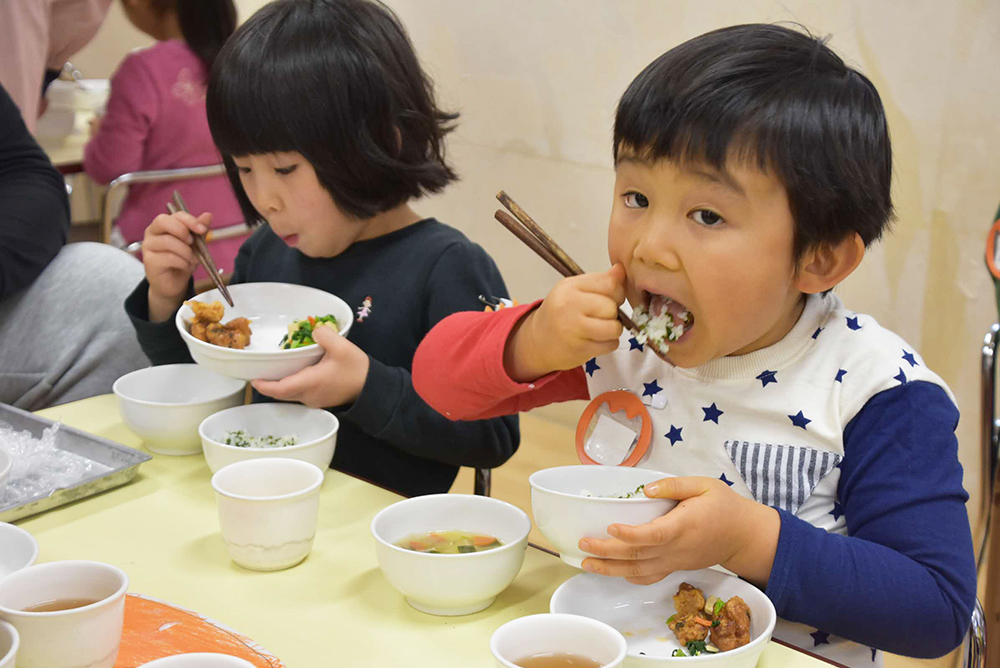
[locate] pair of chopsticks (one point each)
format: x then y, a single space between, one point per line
531 233
201 250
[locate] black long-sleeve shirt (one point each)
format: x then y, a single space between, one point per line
34 209
415 277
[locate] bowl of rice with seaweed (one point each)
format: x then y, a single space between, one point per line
292 431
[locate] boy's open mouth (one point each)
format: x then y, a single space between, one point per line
662 320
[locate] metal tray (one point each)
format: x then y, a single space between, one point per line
124 463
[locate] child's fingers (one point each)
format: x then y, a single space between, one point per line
327 337
604 331
297 387
167 244
648 579
657 532
612 548
679 488
603 284
642 568
597 306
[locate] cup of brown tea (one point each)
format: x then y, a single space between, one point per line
67 613
557 641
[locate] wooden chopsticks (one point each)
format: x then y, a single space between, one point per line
527 230
201 250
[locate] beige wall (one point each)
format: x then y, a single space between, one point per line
537 81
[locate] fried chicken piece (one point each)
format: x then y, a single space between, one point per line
688 600
220 335
206 326
687 629
241 326
198 330
206 313
734 625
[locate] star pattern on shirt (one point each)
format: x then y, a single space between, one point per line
820 638
591 366
908 356
901 377
799 420
634 344
766 377
651 389
723 479
852 323
816 333
840 375
712 413
674 435
837 511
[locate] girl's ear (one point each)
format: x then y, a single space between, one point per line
824 266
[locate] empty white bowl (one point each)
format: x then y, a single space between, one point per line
6 465
88 635
268 509
270 308
451 584
164 405
530 636
564 514
640 613
315 431
199 660
18 549
9 642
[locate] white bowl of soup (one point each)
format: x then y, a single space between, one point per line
18 549
557 641
575 502
270 308
450 554
163 405
199 660
269 430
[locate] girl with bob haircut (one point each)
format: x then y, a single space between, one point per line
328 128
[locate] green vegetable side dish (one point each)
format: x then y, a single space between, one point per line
240 439
300 331
696 648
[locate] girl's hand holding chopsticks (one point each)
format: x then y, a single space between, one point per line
170 260
577 321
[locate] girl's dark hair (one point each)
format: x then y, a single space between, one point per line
779 97
205 24
337 81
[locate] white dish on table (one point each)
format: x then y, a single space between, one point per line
164 405
565 514
270 308
315 431
640 613
199 660
530 636
451 584
9 642
18 549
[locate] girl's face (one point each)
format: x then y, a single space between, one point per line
285 190
718 243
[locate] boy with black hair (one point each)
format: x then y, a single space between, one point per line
816 451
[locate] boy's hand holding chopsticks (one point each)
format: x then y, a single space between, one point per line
170 260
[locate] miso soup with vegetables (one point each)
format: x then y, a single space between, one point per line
449 542
300 332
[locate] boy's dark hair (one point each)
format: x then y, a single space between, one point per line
783 99
205 24
337 81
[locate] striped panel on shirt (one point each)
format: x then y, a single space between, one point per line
781 476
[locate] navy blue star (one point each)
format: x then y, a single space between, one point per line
767 377
799 420
909 358
820 638
852 323
634 344
591 366
711 413
837 511
723 479
840 375
901 377
816 333
674 434
874 651
651 388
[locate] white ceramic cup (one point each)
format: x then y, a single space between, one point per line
18 549
268 510
8 645
85 636
199 660
557 634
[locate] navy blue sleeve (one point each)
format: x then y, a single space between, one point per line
904 578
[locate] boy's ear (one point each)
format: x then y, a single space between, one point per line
827 264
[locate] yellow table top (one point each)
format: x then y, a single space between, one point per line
335 608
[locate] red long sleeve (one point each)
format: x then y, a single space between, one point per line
458 369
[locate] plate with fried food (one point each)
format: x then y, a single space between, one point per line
703 616
267 335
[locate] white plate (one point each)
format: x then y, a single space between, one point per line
640 613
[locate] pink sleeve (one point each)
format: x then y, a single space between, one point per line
133 104
458 369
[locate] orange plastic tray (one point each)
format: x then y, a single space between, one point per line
154 629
